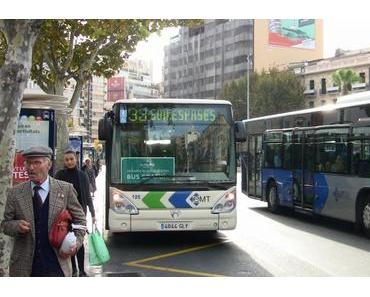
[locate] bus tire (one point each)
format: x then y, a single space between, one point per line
365 216
273 198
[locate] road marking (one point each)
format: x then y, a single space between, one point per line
139 263
168 269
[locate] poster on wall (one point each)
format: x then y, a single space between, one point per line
35 127
297 33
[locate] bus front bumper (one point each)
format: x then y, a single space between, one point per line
171 220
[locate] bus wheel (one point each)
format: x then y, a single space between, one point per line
365 215
273 199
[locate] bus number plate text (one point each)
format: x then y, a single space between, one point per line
174 226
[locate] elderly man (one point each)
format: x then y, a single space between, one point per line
30 211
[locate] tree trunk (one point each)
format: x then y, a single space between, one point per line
62 126
62 138
20 36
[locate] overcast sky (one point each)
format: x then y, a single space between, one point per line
338 33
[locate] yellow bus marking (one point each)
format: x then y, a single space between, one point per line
138 263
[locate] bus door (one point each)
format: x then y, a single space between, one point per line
254 165
303 154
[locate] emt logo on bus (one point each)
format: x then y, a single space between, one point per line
196 199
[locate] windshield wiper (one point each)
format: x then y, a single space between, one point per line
215 184
148 177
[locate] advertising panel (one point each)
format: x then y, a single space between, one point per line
35 127
135 169
298 33
116 89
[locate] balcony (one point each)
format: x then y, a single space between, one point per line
310 93
358 87
332 90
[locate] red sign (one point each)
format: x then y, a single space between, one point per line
116 89
19 173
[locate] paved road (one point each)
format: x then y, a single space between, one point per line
263 244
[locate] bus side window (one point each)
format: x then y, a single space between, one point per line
364 168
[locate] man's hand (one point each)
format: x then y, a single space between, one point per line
24 226
93 220
71 252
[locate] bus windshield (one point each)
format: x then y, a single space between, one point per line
173 143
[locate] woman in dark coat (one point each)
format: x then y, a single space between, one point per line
89 169
80 182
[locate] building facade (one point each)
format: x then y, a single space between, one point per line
199 61
282 41
317 75
134 80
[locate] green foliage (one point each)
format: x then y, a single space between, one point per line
79 49
270 93
344 78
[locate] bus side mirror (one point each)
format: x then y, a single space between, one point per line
105 128
240 131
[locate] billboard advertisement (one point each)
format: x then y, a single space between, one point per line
35 127
297 33
116 89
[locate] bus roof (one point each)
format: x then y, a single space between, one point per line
173 101
349 100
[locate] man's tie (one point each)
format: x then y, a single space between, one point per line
36 197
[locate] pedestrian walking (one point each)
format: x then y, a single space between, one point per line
30 210
97 167
80 182
89 169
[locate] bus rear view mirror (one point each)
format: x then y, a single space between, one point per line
240 131
105 129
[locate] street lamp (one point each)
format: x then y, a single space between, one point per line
248 64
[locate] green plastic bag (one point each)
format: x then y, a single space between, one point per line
98 252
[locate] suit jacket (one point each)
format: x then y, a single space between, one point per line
19 206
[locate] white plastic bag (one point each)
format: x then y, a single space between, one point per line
68 243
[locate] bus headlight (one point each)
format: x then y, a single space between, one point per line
121 204
226 204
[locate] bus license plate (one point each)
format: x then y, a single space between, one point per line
174 226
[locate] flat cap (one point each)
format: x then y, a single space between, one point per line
38 151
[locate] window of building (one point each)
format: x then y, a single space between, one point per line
229 47
196 31
209 66
209 53
362 77
240 59
209 80
229 62
323 86
221 21
311 104
241 29
312 84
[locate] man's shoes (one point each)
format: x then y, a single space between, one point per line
82 274
74 274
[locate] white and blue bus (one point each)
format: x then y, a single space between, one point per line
170 165
314 160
